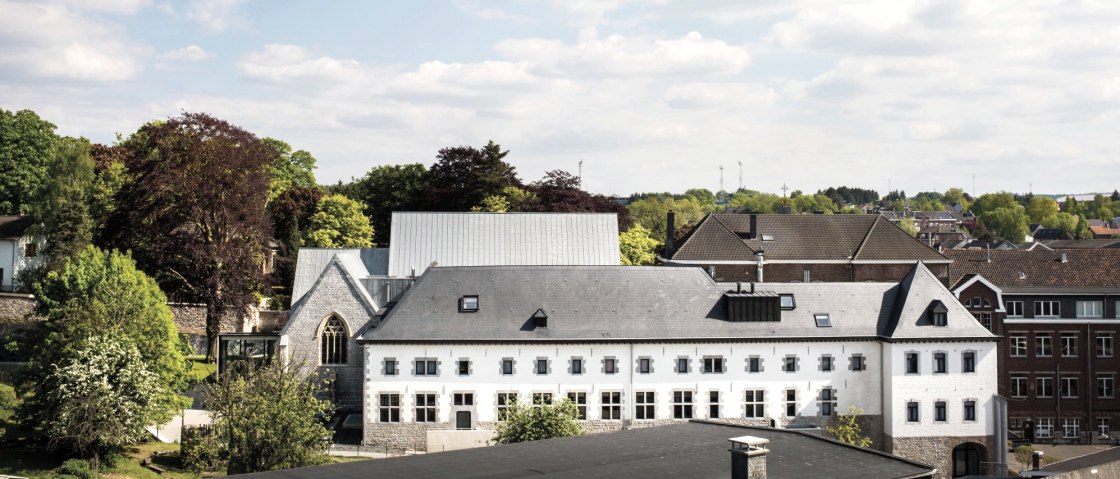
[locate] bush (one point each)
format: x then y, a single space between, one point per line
200 449
78 468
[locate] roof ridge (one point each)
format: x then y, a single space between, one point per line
862 243
733 233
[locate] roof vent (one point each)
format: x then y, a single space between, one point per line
540 319
1022 275
1065 259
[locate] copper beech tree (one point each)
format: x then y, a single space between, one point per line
194 214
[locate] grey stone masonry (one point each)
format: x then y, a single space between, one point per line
14 307
332 294
938 451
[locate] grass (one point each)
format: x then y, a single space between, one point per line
200 369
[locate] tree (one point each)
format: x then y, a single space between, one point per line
1115 196
957 196
338 222
908 226
992 201
703 195
1042 209
1008 223
1083 230
194 216
651 213
1064 222
27 144
289 169
385 189
637 247
269 417
462 176
97 399
512 198
559 192
102 294
524 422
291 213
61 210
846 428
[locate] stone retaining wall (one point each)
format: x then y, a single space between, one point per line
938 451
14 307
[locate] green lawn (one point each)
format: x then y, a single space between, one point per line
200 369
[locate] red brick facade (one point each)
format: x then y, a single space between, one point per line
826 272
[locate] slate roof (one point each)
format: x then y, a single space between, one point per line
726 237
14 226
693 449
310 263
1042 268
1098 458
632 303
476 239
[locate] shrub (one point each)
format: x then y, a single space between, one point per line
200 449
79 468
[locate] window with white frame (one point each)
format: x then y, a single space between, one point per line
827 402
1018 386
426 367
1106 386
389 407
682 404
580 400
713 364
1104 345
425 407
985 319
1069 387
1071 427
1044 387
1069 345
1042 345
912 411
1047 309
1044 427
644 405
791 403
1018 345
1090 309
1014 309
542 399
505 400
1102 426
968 362
940 362
940 413
754 403
969 410
611 404
713 404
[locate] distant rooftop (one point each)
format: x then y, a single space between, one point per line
14 226
1039 269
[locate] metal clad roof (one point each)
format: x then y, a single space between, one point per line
310 263
477 239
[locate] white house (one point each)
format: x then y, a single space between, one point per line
641 346
18 250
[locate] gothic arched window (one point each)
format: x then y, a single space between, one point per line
333 342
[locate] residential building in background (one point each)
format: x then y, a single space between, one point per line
18 250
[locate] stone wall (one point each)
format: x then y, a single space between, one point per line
14 307
938 451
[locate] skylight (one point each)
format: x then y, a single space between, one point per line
787 302
767 237
468 304
823 320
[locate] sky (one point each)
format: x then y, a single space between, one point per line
649 95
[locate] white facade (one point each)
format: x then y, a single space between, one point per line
927 389
14 259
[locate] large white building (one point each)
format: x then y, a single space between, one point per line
640 346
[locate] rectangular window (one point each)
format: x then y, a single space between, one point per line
468 304
1018 345
1014 309
787 301
610 366
939 413
713 404
426 367
826 363
389 407
1044 387
790 365
425 407
754 403
968 362
857 362
823 320
464 367
390 367
507 366
1104 345
970 410
505 400
464 399
985 319
1069 387
912 363
1069 345
1018 386
754 364
912 411
577 366
644 405
1071 427
1102 426
542 399
1042 346
940 363
1044 427
1106 387
828 401
612 405
713 364
682 404
1047 309
542 366
1090 309
940 318
682 365
580 400
791 402
644 365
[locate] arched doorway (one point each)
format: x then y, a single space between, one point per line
967 458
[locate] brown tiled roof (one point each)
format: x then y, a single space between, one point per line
14 226
726 237
1104 230
1084 268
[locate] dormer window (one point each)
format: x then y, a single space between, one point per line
468 304
938 314
788 302
540 319
824 320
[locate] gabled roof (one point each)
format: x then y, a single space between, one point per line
630 303
1103 230
727 237
311 262
918 293
338 264
417 240
1085 243
14 226
1040 268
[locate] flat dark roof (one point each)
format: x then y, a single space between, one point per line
693 449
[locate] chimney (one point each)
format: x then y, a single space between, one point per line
670 231
760 263
754 227
1036 458
1065 259
748 457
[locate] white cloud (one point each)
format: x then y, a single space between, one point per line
126 7
280 63
189 53
217 15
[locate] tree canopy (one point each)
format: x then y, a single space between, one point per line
338 222
651 213
846 428
1042 210
62 207
385 189
290 169
27 144
462 176
637 247
531 422
1008 223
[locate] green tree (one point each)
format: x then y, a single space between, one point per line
846 428
992 201
1083 231
1064 222
462 176
652 212
27 144
636 247
702 195
908 226
525 422
385 189
290 168
1073 207
61 210
269 416
1008 223
97 398
338 222
957 196
99 293
1042 209
512 198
